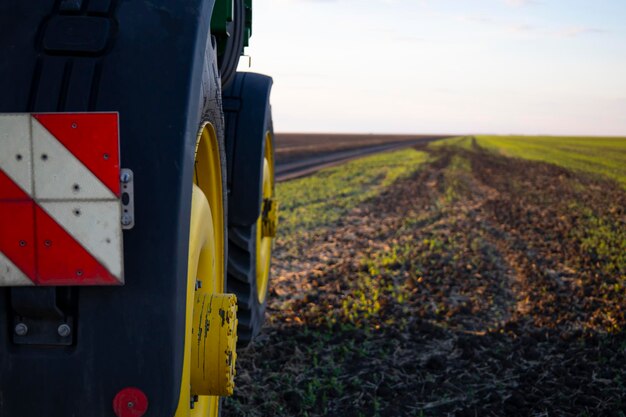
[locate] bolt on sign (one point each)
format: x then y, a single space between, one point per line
60 199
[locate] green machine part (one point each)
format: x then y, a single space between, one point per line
222 15
222 18
231 24
248 6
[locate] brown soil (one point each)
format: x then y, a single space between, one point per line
481 286
294 146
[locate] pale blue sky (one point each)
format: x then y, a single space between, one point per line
444 66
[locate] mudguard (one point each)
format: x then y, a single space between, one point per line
143 59
247 116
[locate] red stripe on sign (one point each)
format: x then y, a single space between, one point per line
9 190
61 260
92 138
17 234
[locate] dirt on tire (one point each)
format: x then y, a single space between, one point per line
480 286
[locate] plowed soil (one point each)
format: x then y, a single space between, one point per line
480 286
296 146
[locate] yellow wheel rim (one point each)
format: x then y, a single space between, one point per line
266 223
205 274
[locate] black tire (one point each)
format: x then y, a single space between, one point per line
242 282
242 274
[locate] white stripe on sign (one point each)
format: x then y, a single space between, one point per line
67 229
59 175
15 157
95 226
11 275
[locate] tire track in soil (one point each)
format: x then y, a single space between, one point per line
463 290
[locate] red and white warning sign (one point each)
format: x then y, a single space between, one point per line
60 199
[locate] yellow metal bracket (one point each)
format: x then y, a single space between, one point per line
214 346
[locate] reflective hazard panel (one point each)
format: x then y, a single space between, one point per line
60 200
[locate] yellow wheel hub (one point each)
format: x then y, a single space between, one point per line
211 321
266 224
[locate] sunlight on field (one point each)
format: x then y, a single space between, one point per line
323 198
604 156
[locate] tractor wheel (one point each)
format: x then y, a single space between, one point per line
250 250
211 323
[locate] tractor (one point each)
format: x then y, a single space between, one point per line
137 206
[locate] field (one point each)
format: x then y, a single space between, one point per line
600 156
478 276
293 146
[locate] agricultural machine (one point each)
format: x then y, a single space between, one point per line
137 210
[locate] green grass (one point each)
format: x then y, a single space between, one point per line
601 156
321 199
604 240
464 142
455 176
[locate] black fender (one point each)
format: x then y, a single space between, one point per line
146 62
247 115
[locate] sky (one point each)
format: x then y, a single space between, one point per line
554 67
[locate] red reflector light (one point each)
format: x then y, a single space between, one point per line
130 402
